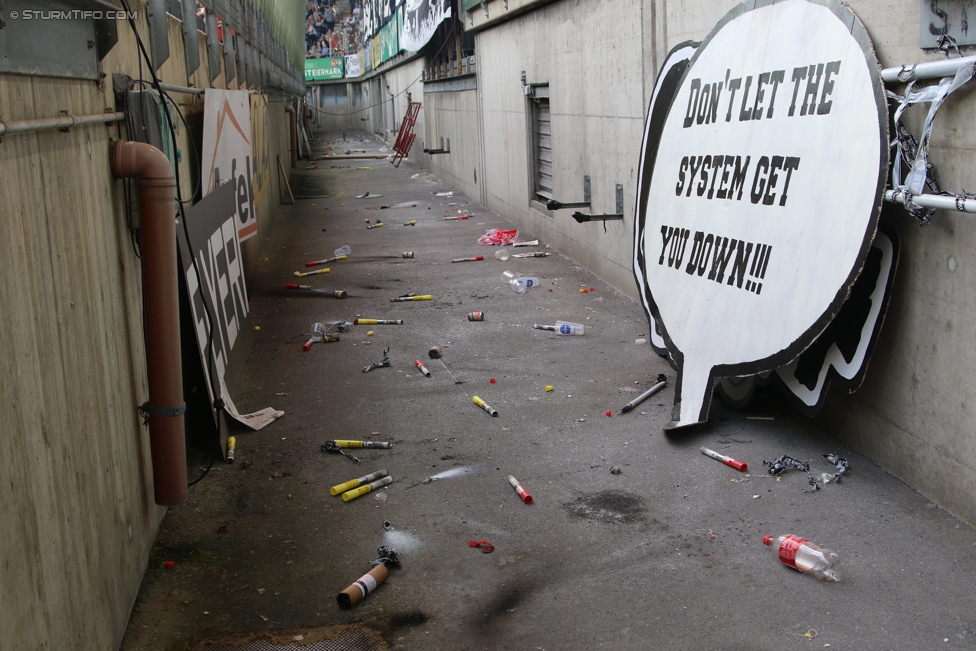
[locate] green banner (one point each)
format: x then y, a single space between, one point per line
324 69
390 38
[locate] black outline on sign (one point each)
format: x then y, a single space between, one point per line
665 89
834 378
648 158
737 392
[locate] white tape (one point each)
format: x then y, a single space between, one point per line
366 584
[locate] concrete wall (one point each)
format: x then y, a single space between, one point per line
384 103
332 118
597 107
456 116
76 498
913 415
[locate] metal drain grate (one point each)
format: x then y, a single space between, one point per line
348 640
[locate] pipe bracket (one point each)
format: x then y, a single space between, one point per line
148 411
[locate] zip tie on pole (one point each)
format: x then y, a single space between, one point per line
917 176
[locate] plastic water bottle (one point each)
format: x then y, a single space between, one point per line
522 284
805 556
317 335
567 328
343 250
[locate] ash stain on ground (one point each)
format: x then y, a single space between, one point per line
408 619
505 602
614 506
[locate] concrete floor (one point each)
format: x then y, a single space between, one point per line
665 555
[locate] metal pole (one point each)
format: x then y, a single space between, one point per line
929 70
934 201
182 89
63 122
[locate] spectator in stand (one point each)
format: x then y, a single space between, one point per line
328 15
336 44
319 24
310 35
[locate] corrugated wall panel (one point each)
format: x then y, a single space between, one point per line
76 498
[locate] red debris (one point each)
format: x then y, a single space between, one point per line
488 547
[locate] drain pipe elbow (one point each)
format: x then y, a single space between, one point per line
294 135
157 197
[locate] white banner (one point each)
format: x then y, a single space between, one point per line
218 295
352 65
757 207
420 19
227 156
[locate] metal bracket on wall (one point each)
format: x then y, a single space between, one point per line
441 150
191 50
552 204
230 57
213 47
158 34
619 214
484 5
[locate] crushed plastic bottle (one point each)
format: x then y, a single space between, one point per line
509 276
805 556
567 328
317 335
522 284
343 250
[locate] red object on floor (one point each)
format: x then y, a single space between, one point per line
488 547
169 565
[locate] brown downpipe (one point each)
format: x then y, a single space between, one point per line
294 136
157 197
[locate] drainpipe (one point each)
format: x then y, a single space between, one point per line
294 136
157 196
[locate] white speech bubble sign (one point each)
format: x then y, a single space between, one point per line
759 203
